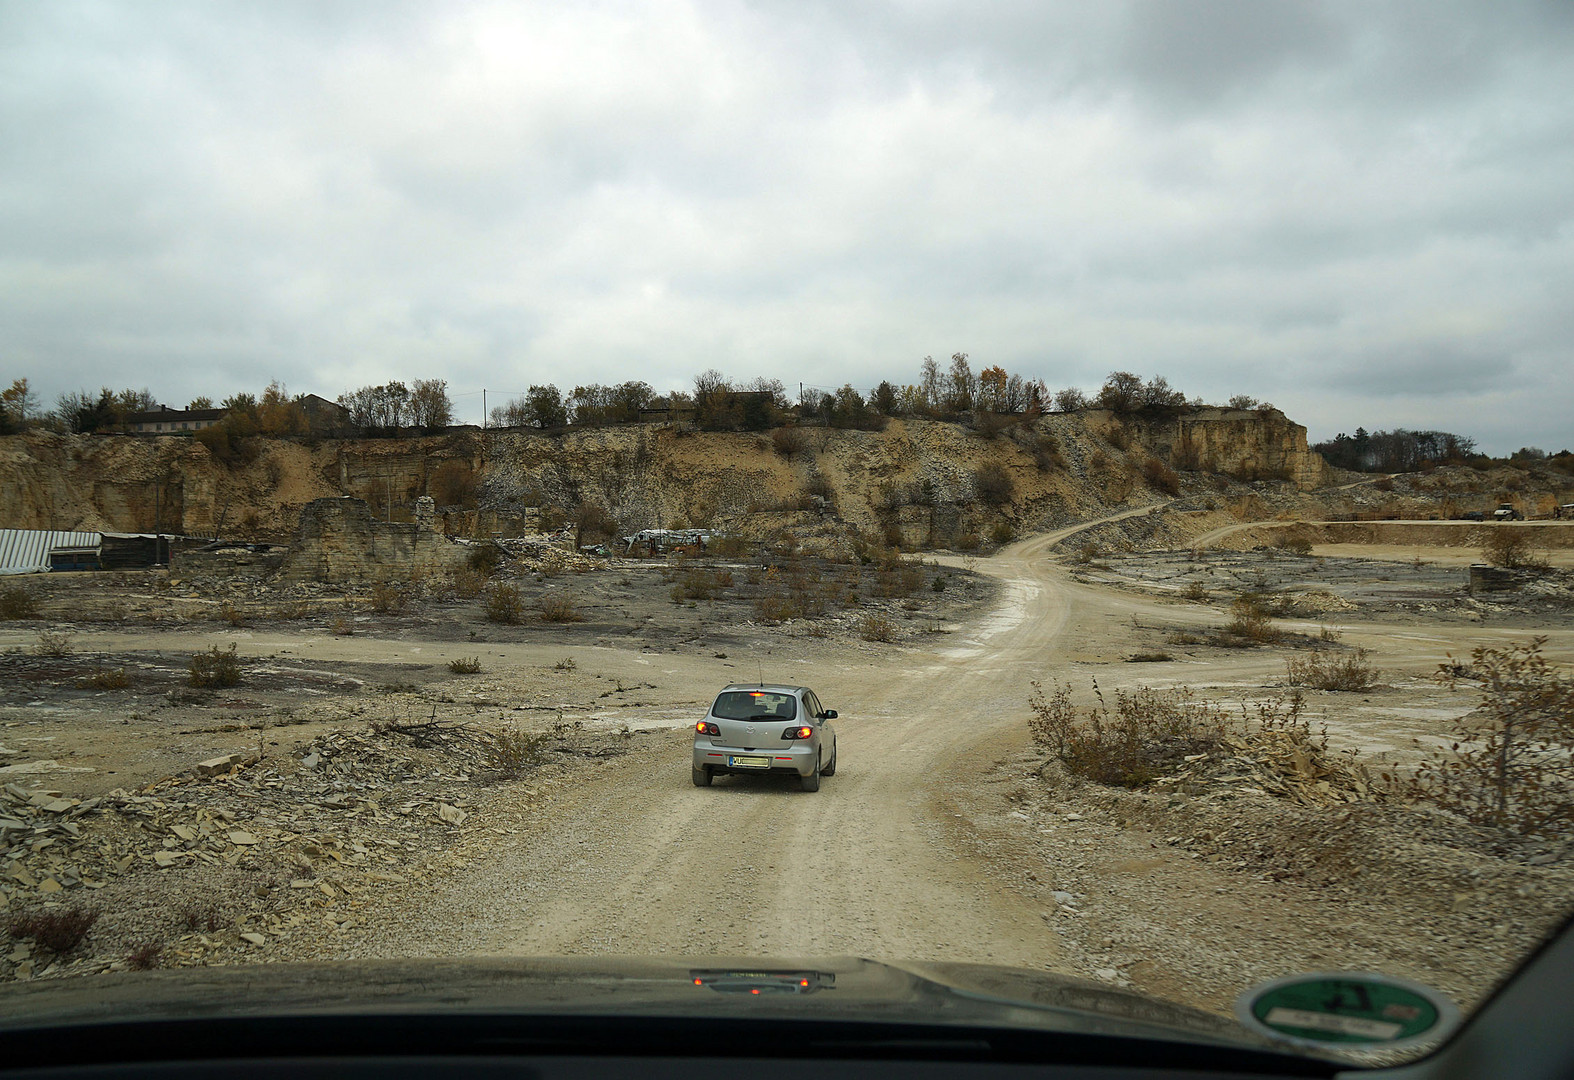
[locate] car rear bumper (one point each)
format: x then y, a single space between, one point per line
795 757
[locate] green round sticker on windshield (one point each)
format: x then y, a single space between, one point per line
1347 1008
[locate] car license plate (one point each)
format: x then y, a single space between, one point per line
749 762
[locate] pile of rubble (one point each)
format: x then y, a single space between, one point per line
241 859
1288 764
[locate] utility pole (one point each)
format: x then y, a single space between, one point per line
483 408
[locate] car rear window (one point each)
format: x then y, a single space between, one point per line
748 704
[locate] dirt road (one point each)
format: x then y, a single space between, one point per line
641 861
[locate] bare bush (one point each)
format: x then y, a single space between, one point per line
1002 533
1250 625
1511 549
468 583
485 559
503 604
144 957
55 643
876 628
387 598
511 752
465 665
789 442
1118 437
1148 732
558 608
107 679
1512 763
216 667
1161 477
1322 670
994 485
59 932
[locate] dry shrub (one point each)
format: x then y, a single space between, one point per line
789 442
484 559
231 614
990 424
595 523
107 679
773 608
1047 454
203 918
1118 437
1250 625
1148 732
503 604
342 627
994 485
968 541
144 957
1512 764
876 628
558 608
1161 477
59 932
1511 549
387 598
511 752
1002 533
1195 590
17 602
216 667
55 643
565 664
468 583
1323 671
465 665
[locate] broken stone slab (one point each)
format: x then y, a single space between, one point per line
220 765
451 814
241 838
255 939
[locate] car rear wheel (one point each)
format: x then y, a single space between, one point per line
702 776
812 781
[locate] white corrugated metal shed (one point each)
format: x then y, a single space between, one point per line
26 551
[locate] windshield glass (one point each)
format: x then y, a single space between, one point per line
755 705
1144 426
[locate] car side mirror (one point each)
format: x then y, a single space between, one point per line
830 714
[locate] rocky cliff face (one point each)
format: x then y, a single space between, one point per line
920 481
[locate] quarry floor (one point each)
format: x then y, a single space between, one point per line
941 837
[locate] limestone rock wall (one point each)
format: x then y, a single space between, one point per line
339 540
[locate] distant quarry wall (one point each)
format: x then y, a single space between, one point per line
917 481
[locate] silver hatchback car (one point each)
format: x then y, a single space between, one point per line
762 729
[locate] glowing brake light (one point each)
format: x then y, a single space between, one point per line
798 733
705 727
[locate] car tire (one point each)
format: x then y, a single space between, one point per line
812 781
830 770
702 776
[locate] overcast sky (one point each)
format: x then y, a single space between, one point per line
1362 212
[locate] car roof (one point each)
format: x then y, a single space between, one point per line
778 688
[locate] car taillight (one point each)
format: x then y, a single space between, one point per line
705 727
798 733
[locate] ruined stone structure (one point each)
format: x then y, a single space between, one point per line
338 540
